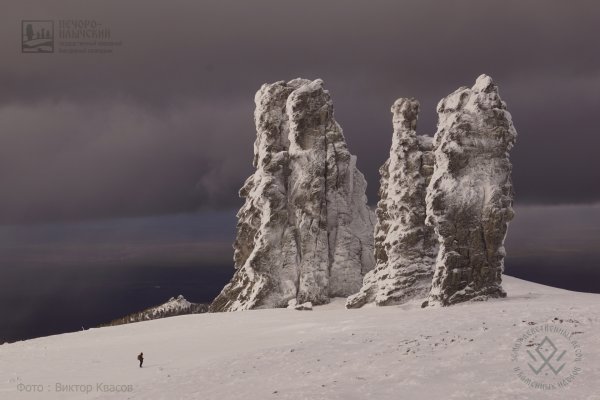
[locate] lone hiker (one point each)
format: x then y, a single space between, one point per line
141 359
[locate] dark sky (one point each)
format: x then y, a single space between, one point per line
164 124
162 128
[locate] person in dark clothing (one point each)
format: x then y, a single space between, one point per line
141 359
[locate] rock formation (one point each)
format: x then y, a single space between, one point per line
173 307
405 248
305 231
469 198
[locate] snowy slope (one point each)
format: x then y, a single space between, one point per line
396 352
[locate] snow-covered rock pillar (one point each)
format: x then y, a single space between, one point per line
470 196
305 231
405 248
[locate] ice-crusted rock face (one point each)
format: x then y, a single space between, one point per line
405 248
305 231
469 198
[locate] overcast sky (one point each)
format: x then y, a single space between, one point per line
164 124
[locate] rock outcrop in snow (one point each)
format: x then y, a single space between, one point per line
405 248
469 198
463 207
171 308
293 305
305 231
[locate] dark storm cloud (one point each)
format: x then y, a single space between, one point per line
165 123
201 239
65 160
552 231
556 246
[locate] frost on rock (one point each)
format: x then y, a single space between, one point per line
405 248
305 231
469 198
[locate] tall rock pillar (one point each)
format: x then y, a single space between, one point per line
305 232
405 248
470 196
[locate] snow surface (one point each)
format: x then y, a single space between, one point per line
395 352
